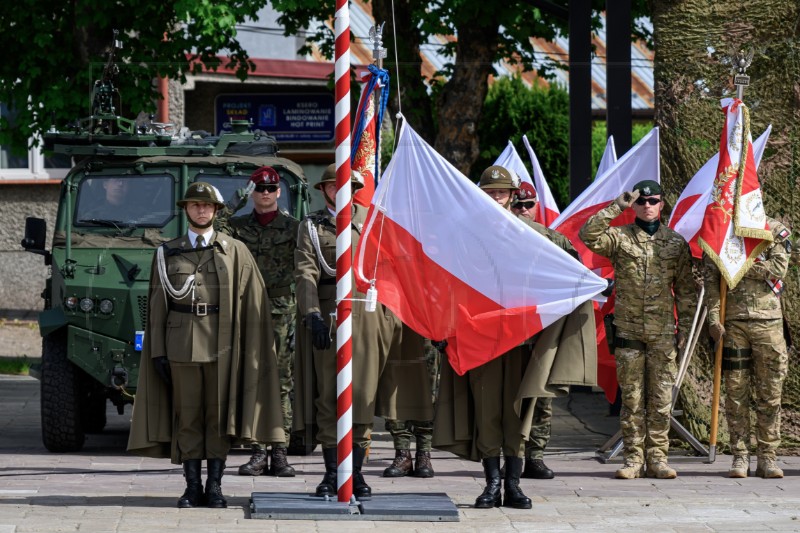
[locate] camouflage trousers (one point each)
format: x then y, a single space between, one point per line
754 359
540 428
403 431
283 328
646 377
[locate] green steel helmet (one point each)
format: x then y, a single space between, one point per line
201 191
330 176
647 187
497 177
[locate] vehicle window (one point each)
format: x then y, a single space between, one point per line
124 201
227 186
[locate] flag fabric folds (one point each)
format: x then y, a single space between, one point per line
548 209
609 157
687 216
365 151
455 266
735 228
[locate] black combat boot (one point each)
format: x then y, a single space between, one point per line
360 488
257 464
513 494
422 465
536 469
214 497
401 466
327 486
193 495
491 496
280 465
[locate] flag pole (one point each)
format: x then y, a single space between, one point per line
344 289
740 62
712 440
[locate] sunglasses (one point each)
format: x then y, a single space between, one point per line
524 205
651 201
268 188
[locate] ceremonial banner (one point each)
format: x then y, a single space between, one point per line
735 228
687 216
365 154
455 266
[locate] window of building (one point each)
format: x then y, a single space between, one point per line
31 166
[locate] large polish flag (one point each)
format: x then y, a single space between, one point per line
453 265
687 216
639 163
609 157
510 159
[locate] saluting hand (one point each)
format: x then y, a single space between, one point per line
626 199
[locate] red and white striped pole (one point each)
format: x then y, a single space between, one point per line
344 289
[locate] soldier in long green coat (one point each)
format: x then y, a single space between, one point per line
271 236
208 371
652 266
384 383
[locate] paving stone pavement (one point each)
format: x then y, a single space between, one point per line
104 489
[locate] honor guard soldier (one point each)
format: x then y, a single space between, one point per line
208 370
380 387
652 266
271 236
754 354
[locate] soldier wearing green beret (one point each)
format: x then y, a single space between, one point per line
652 266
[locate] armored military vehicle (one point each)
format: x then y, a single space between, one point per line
117 204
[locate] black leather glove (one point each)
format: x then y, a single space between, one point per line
439 345
608 290
161 365
320 337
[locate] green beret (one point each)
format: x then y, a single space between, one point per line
647 187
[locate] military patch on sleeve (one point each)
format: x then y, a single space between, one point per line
784 233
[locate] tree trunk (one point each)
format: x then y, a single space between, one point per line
692 39
462 97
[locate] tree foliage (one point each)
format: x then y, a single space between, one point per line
55 50
446 108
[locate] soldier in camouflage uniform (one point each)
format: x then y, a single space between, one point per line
652 265
754 352
271 236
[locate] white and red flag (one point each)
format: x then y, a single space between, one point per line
548 209
609 157
735 228
510 159
687 216
640 163
455 266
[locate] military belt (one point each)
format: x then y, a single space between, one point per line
198 309
738 364
277 292
619 342
736 352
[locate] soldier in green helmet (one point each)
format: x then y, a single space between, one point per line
270 234
208 353
652 266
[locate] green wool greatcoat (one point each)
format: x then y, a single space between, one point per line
244 350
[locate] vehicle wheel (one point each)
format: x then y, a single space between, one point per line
297 445
61 424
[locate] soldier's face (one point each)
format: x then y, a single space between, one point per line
525 209
329 192
200 214
648 208
501 196
265 201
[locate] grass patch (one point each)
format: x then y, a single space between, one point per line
15 365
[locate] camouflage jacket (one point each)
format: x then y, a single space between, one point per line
653 275
272 247
553 236
752 298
